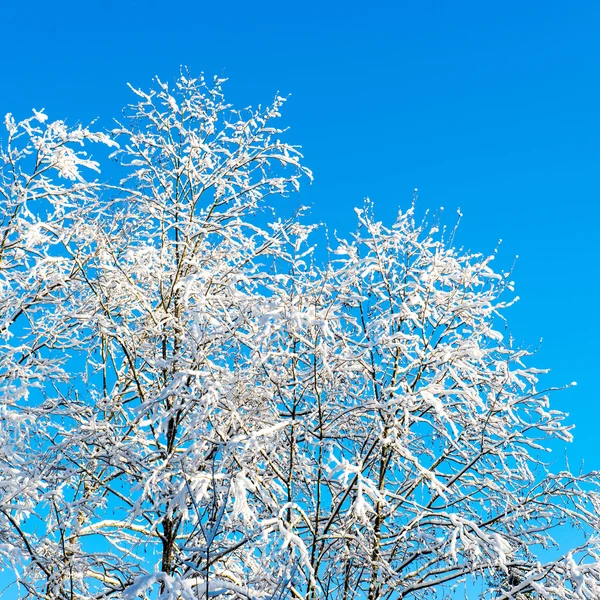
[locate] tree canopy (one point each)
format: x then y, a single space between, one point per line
193 404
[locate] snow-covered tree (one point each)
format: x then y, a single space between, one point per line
193 404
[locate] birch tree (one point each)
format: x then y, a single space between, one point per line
194 403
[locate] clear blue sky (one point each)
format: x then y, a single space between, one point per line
490 106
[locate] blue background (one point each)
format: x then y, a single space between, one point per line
487 106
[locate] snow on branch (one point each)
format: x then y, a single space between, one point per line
196 401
